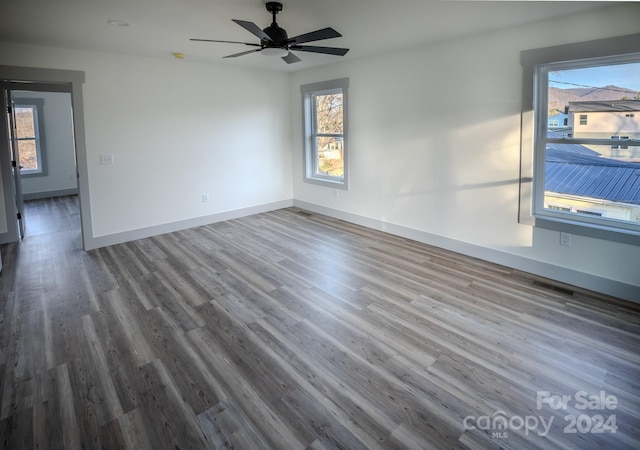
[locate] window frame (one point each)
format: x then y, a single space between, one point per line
309 132
533 138
37 104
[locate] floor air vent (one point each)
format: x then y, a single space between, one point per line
305 213
562 290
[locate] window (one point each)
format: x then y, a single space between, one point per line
589 212
559 207
614 138
583 180
621 146
325 133
30 136
624 146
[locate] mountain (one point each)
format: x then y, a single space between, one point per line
559 98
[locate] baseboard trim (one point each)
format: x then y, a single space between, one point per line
50 194
571 277
119 238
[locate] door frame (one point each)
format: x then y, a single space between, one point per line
14 155
50 80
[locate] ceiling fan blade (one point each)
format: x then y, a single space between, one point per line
318 35
253 29
242 53
326 50
225 42
291 58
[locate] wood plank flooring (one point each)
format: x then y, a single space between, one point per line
290 330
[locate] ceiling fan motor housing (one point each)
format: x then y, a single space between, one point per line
274 7
278 35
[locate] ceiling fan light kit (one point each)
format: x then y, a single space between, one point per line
274 51
274 40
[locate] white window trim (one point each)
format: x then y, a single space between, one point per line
530 166
38 104
309 175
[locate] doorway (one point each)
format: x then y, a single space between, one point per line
52 174
46 153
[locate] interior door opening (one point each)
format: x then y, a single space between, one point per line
49 133
41 150
46 160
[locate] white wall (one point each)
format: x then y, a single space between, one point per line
434 149
176 130
58 144
434 141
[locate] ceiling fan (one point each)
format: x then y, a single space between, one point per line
275 42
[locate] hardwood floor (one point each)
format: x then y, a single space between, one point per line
291 330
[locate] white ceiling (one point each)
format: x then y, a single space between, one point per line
157 28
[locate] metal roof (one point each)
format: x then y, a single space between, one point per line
574 170
605 105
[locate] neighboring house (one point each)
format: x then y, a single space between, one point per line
580 180
608 120
558 119
597 119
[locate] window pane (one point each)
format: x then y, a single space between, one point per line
326 161
25 123
588 180
27 139
28 154
597 102
329 119
330 156
580 181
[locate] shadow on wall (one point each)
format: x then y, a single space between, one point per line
461 183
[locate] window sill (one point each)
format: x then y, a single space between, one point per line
327 182
589 230
25 174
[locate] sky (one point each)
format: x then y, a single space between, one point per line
622 75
